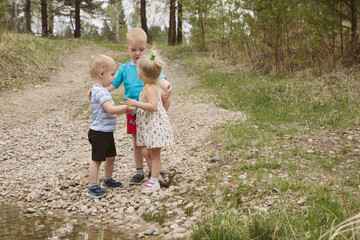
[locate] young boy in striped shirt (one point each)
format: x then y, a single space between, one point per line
102 71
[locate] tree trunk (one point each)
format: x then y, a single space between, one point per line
77 19
179 23
353 21
14 15
355 48
202 24
28 16
51 17
44 18
143 17
341 32
172 24
223 39
333 38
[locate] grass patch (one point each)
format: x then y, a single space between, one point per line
284 101
26 59
84 107
321 212
329 100
260 165
297 151
220 225
159 215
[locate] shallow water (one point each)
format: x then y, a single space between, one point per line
14 224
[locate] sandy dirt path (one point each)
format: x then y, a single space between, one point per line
46 155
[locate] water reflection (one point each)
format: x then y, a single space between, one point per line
14 224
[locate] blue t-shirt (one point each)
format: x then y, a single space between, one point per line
128 75
102 121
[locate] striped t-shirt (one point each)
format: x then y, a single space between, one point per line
102 121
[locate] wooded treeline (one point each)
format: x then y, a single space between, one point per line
281 36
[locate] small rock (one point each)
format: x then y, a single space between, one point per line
151 230
302 201
275 190
49 214
30 210
215 159
179 230
189 205
39 227
130 210
166 230
178 236
242 176
219 200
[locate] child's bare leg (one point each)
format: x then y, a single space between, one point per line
94 172
109 167
155 162
138 157
153 184
146 154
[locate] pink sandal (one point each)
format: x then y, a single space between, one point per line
150 187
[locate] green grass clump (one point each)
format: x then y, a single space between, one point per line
323 211
159 215
220 225
26 59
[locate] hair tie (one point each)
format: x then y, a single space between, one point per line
152 57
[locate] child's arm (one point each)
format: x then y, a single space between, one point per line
165 96
150 100
165 86
165 100
109 108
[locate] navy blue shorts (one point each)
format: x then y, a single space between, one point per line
103 145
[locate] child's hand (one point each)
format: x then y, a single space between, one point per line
168 92
130 110
131 102
89 94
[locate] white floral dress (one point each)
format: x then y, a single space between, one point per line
153 129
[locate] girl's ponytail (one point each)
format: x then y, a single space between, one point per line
150 66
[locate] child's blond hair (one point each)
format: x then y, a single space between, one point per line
136 35
100 62
150 67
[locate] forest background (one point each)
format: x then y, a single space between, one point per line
292 66
277 36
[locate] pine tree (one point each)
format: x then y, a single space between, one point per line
143 16
172 24
179 22
44 18
28 16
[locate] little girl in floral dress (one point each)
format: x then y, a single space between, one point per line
153 130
